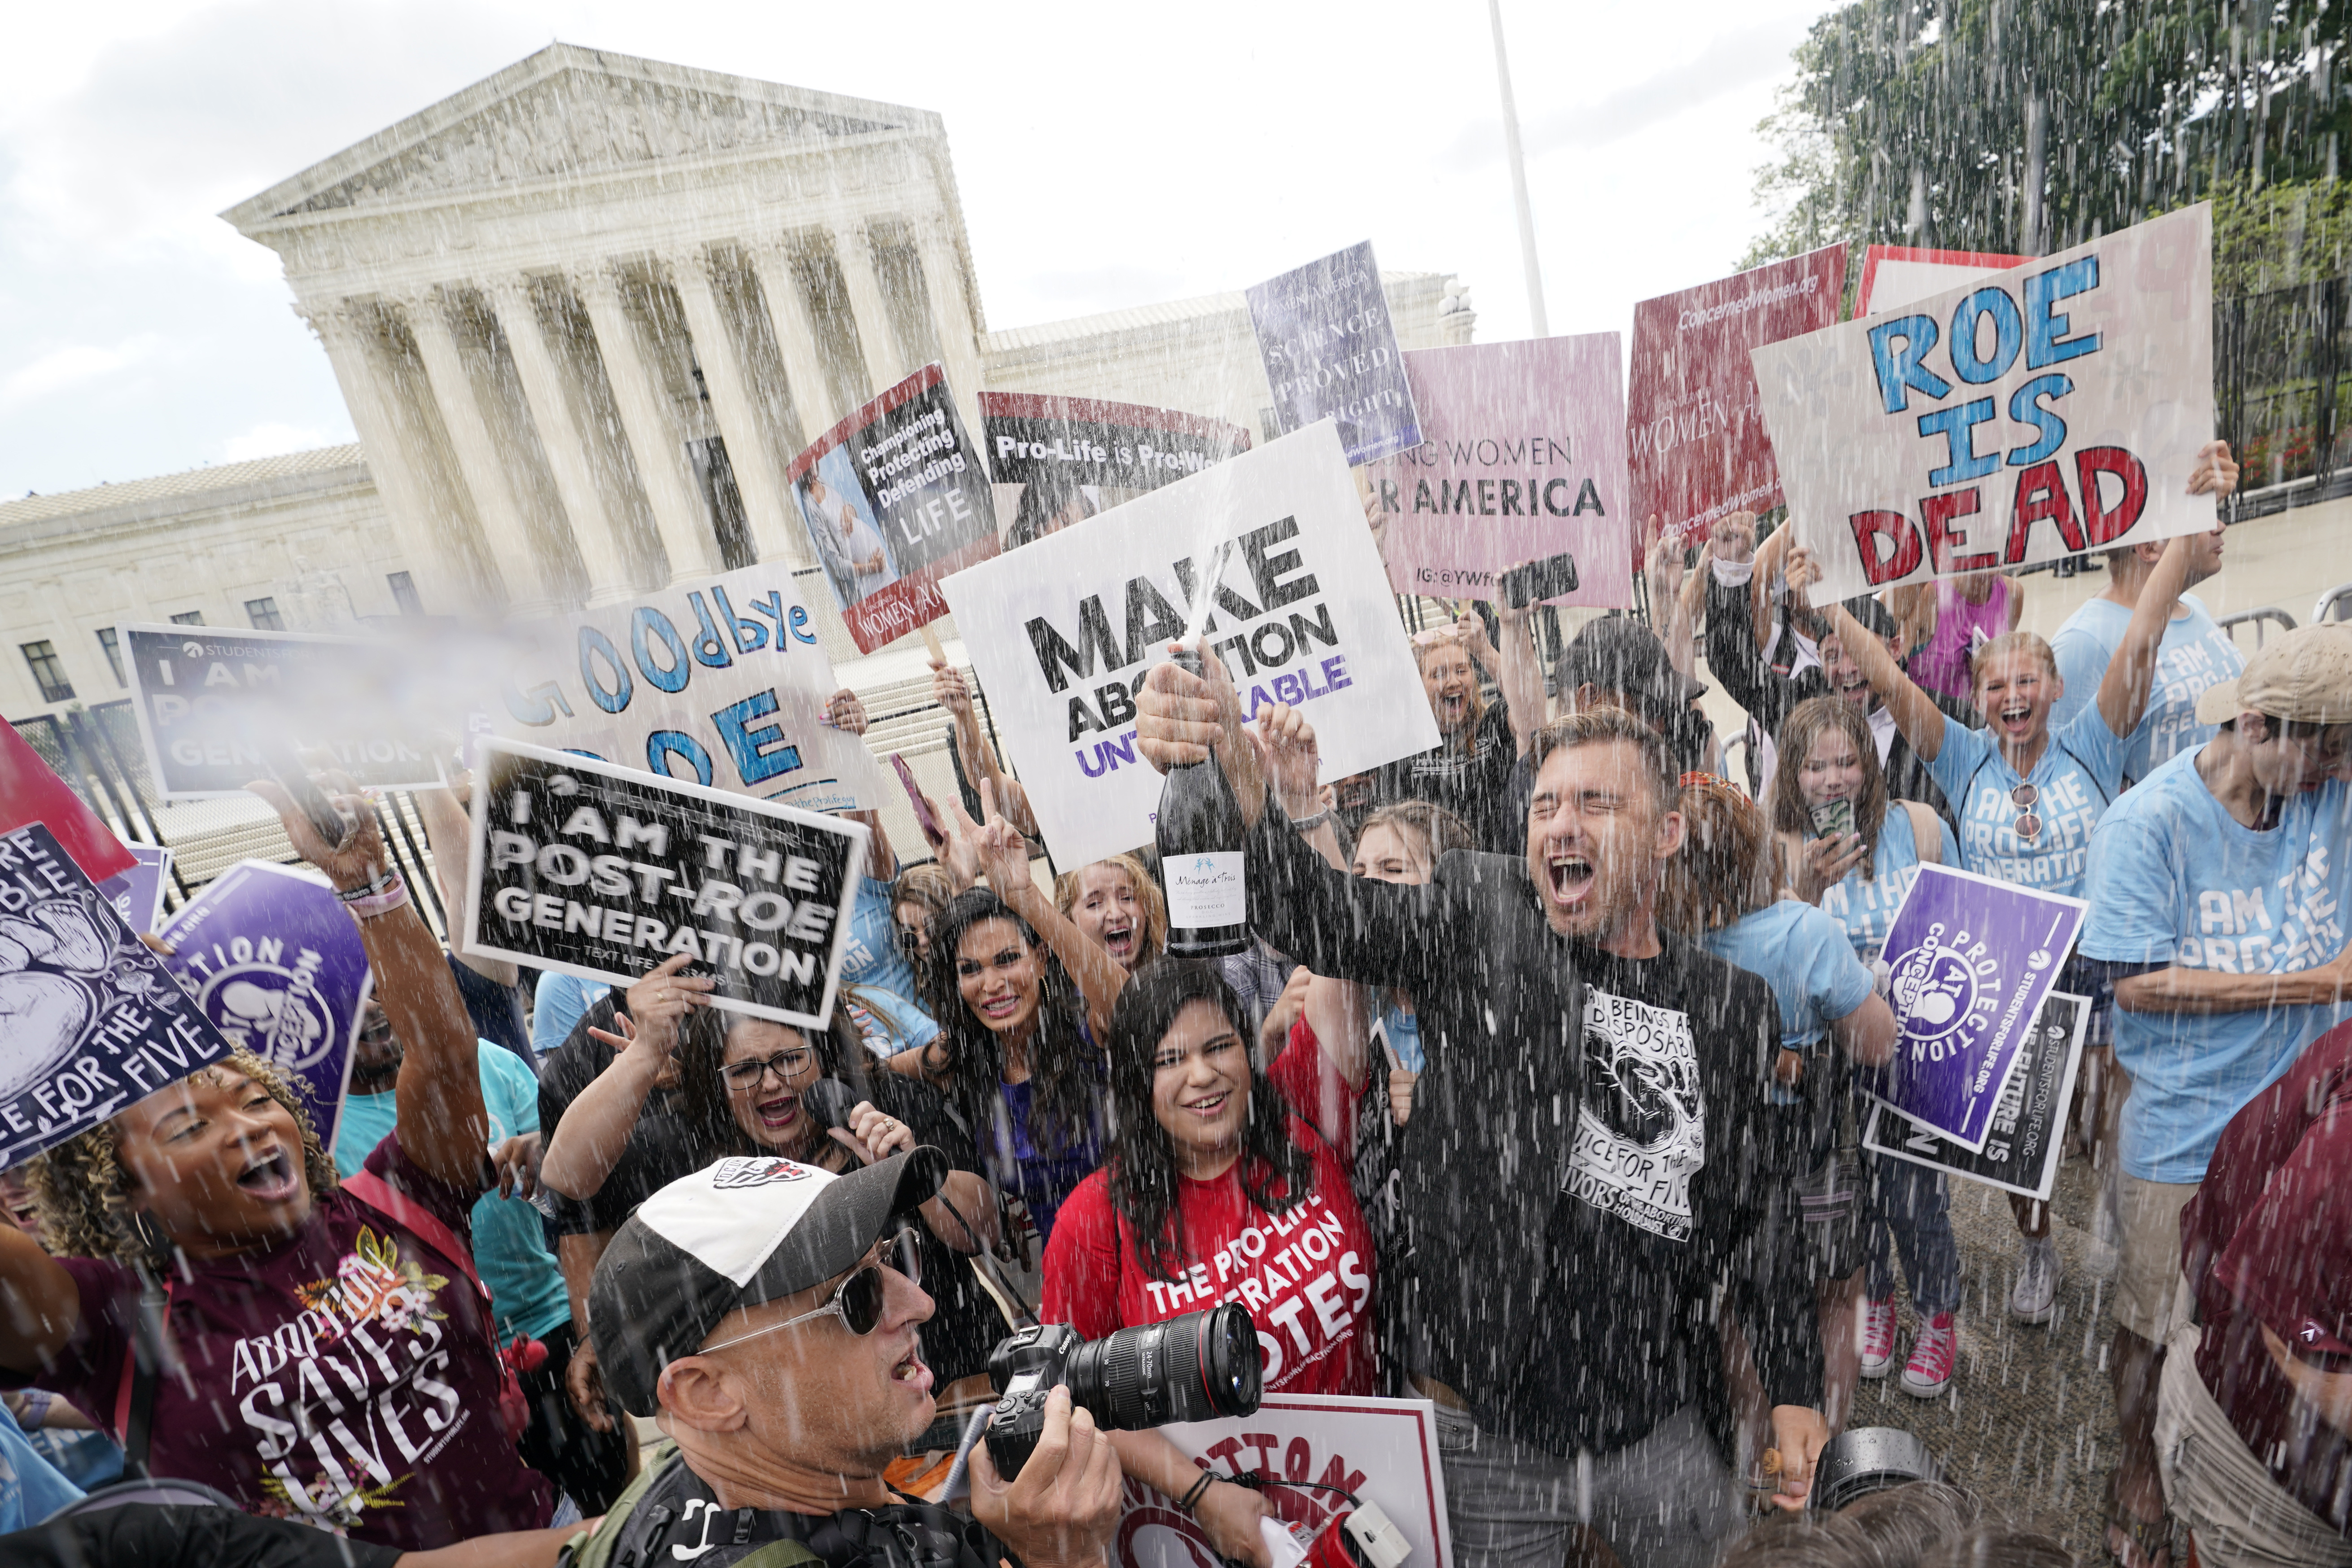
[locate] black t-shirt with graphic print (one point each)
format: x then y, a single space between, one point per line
1473 784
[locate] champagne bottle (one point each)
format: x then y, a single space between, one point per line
1201 857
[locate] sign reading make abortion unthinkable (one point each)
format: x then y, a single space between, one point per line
275 960
1970 961
1698 447
2021 1153
1063 631
894 498
2023 416
1330 352
720 681
608 872
89 1020
1522 455
207 698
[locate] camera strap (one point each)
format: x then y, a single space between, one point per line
678 1519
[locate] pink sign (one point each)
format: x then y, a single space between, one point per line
1522 456
1698 447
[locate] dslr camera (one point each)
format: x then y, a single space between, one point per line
1194 1368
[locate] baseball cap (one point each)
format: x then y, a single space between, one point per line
2305 675
734 1234
1618 652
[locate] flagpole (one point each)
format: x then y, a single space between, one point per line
1518 159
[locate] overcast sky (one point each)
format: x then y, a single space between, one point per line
1106 156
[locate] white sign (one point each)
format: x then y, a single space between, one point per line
2044 411
719 683
1063 631
1383 1450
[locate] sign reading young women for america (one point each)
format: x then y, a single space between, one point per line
1971 962
1522 456
1063 631
607 873
2029 414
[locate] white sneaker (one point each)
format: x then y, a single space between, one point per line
2034 1298
1877 1338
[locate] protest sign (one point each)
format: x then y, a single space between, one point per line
1893 276
2028 1140
30 790
894 498
719 680
1522 455
2025 415
209 700
1063 631
607 872
137 894
89 1020
1330 352
1383 1450
1970 960
276 963
1060 442
1697 437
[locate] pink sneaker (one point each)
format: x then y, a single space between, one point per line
1877 1338
1929 1371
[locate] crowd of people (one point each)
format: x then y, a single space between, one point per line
1535 1095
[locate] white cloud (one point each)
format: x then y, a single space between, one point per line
73 366
269 439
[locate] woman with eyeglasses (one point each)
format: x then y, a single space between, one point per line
1215 1191
2027 797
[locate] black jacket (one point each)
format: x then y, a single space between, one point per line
1557 1321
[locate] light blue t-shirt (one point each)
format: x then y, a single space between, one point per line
1807 959
30 1486
1866 906
2196 654
2078 777
873 962
510 1244
2177 880
557 1006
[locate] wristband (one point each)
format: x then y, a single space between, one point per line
380 882
367 903
1200 1488
1309 824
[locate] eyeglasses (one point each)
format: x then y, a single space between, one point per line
2027 826
784 1064
375 1028
859 1303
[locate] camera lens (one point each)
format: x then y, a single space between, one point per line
1192 1368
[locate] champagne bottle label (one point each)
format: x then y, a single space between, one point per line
1207 890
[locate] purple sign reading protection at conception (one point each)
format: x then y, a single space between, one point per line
276 963
1971 959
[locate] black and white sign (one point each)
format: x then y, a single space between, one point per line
2029 1122
607 872
89 1020
207 698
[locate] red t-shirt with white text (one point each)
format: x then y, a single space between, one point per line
1304 1275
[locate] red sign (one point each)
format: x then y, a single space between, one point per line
1694 440
30 790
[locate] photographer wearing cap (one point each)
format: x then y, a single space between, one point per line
766 1314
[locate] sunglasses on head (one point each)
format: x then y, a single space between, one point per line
859 1303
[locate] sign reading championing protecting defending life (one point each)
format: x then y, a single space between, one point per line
2028 1140
275 960
2028 415
894 498
1522 455
210 701
1971 961
606 873
1696 435
90 1021
719 681
1330 352
1063 631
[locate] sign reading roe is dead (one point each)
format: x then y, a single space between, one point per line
2051 410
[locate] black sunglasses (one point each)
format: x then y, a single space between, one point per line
859 1303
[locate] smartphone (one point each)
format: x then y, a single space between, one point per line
1833 818
934 834
1540 580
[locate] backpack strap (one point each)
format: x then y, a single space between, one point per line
1925 838
143 1373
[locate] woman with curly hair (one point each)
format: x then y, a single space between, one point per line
330 1358
1215 1192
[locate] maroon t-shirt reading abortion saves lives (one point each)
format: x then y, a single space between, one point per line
340 1377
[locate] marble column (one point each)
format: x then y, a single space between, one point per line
853 245
680 512
951 316
479 463
443 578
776 530
788 312
594 527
